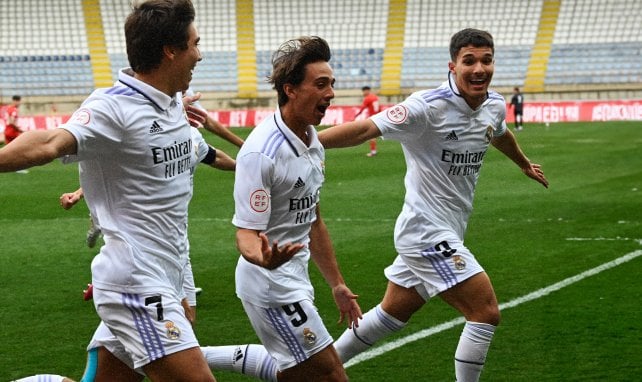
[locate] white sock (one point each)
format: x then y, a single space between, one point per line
471 350
42 378
252 360
375 325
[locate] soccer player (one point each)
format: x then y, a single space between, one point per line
68 200
445 133
198 117
252 359
135 147
279 174
517 103
371 104
12 130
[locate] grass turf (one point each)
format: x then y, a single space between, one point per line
526 237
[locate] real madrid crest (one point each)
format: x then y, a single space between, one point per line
172 331
489 133
309 336
459 262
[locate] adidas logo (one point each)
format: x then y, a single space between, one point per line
299 183
452 136
155 128
238 355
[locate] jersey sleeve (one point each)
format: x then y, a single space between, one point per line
97 128
405 120
500 125
252 191
201 148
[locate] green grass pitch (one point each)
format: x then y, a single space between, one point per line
527 238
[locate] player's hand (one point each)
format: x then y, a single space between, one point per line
88 294
195 115
535 172
69 199
349 308
275 256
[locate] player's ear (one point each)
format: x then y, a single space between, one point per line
289 90
451 67
169 51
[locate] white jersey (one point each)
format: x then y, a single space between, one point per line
276 191
136 151
444 143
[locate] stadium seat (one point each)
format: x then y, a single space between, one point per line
588 35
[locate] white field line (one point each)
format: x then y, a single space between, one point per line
379 350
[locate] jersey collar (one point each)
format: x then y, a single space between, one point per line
293 141
155 96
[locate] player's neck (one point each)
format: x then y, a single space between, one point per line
298 127
157 80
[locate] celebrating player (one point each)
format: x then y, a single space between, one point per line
445 133
277 187
135 148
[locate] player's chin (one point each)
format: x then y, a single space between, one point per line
318 117
320 113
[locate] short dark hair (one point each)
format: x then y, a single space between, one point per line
153 24
365 88
470 36
16 98
290 59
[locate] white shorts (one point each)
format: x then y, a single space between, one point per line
435 269
141 328
290 333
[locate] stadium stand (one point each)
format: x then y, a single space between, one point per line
45 50
430 25
39 53
597 42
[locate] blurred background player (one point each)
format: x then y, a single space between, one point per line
517 104
371 106
445 133
12 130
68 200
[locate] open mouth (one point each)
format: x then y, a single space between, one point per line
322 108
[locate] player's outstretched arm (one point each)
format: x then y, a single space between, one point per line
508 145
349 134
35 148
198 117
217 128
223 161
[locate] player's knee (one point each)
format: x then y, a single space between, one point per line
493 315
